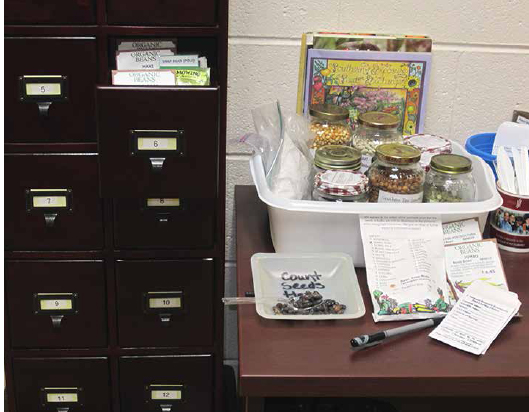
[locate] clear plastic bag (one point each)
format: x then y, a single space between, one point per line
282 138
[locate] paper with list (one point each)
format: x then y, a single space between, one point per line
405 266
477 318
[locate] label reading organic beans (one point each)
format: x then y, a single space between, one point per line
387 197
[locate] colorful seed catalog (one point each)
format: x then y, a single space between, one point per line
362 81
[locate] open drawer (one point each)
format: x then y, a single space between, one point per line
159 141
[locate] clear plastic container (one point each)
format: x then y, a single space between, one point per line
450 180
341 186
372 130
330 124
396 175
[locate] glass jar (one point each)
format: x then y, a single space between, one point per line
372 130
336 157
341 186
450 180
330 124
395 176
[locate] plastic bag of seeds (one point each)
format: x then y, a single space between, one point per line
281 139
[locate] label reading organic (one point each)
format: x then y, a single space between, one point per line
43 89
165 202
166 394
461 231
140 59
146 45
143 78
49 201
155 143
156 303
61 397
56 304
387 197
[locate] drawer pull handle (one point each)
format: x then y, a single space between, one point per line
56 321
163 217
166 408
164 304
157 164
50 218
44 109
165 318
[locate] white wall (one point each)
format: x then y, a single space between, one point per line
480 70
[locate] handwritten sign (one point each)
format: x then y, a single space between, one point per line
295 285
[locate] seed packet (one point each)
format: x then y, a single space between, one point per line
192 77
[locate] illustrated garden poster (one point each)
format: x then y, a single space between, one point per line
363 81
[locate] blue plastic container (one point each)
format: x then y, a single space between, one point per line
481 145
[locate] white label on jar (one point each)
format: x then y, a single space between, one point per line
367 159
341 178
387 197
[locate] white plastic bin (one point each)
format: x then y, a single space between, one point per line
312 226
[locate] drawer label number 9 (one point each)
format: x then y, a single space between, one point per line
55 303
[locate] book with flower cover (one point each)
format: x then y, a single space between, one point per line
362 81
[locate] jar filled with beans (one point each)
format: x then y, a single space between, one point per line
395 176
450 180
372 130
330 125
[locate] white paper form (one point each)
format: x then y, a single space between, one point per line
405 266
477 318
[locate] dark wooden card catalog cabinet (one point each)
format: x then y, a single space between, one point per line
114 210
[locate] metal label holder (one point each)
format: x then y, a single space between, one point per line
164 404
163 213
61 405
56 315
44 100
157 156
50 213
165 313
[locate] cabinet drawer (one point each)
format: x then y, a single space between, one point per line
165 303
70 116
56 304
49 12
79 384
181 383
156 141
52 202
161 12
168 223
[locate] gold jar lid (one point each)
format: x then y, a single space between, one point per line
328 112
397 153
378 120
337 157
451 163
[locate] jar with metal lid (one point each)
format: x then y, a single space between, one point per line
429 145
450 180
395 176
336 157
372 130
341 186
330 124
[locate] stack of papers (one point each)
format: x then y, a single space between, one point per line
477 318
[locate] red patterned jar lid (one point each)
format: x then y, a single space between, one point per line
341 182
429 143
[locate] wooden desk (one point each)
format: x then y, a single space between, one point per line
314 358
